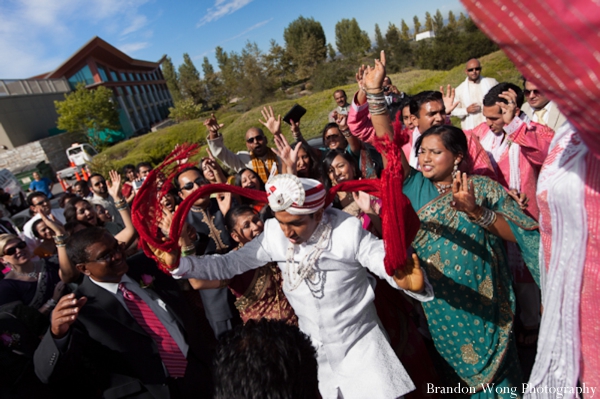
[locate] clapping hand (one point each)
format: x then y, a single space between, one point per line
274 125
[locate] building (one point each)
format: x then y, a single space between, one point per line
28 132
140 89
425 35
27 111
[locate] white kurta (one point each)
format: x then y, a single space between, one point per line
335 309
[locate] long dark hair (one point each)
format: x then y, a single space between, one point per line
331 155
70 212
453 139
314 169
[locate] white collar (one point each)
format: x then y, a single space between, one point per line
112 287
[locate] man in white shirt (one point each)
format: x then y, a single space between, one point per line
540 109
324 256
469 95
39 203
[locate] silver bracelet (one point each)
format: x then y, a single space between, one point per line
487 218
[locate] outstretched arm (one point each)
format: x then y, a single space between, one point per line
128 234
373 80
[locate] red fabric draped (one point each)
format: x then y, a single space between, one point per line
399 221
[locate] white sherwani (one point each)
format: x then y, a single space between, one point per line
335 308
468 93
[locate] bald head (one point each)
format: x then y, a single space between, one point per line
473 69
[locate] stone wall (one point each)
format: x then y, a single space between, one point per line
51 149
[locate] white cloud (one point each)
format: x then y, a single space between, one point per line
220 9
129 48
250 29
139 21
36 36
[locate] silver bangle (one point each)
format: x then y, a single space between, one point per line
487 218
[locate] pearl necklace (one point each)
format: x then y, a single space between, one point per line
441 188
305 269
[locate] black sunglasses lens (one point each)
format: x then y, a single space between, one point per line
13 250
188 186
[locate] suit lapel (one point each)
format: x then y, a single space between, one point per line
106 302
553 117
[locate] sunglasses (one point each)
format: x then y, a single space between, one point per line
109 256
535 92
257 139
100 183
190 185
41 203
13 250
332 137
474 69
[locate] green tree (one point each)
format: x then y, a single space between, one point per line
417 25
213 92
172 79
462 21
228 74
90 112
379 40
331 51
277 64
438 21
428 22
452 20
404 31
185 110
350 40
306 45
398 52
189 80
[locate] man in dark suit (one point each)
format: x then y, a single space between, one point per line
125 332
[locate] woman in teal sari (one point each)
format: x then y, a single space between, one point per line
464 221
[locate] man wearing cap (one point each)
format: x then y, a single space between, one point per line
324 255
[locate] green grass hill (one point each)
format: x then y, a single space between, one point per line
154 147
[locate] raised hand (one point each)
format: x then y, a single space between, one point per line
288 156
53 224
463 194
363 200
224 202
114 188
64 314
212 125
508 110
274 125
342 121
165 222
373 76
410 277
448 98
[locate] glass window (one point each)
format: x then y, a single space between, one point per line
120 90
129 89
84 75
102 73
123 76
131 77
114 76
137 76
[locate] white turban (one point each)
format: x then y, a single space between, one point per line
297 196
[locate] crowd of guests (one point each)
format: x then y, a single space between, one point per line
297 294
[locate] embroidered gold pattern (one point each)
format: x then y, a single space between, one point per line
469 355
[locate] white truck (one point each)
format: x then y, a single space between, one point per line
79 155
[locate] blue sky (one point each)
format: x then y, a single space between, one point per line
36 36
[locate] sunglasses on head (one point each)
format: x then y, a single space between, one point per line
257 139
13 250
190 185
535 92
474 69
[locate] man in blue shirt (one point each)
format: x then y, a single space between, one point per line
41 184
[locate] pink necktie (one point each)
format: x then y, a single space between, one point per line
171 355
